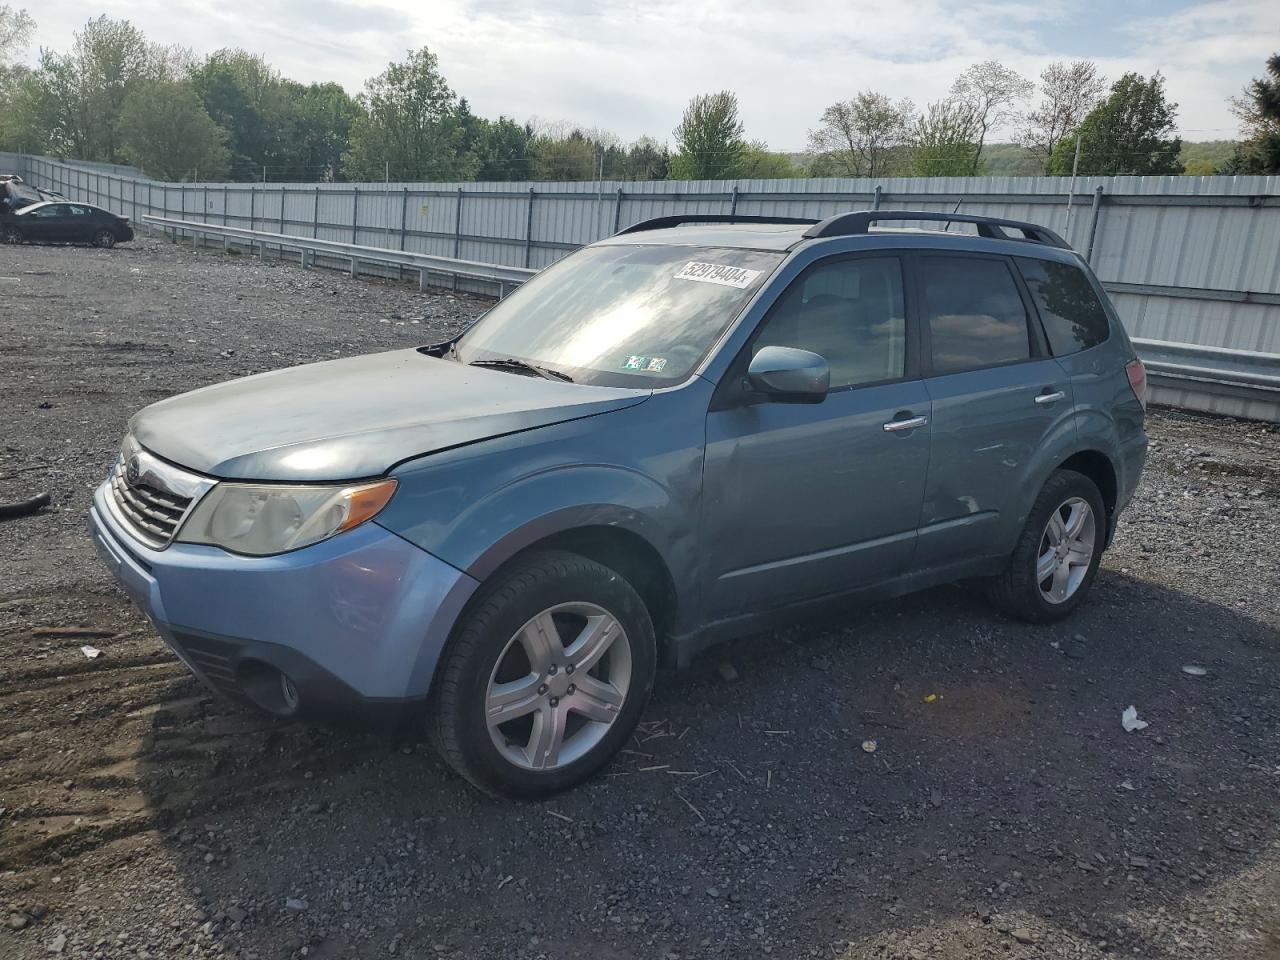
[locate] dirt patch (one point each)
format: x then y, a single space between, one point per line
1009 816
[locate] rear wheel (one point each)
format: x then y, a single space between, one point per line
545 678
1057 556
105 239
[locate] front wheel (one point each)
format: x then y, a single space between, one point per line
105 239
10 235
545 677
1056 559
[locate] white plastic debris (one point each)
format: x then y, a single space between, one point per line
1194 670
869 746
91 652
1129 720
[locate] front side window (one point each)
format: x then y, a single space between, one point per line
52 210
976 316
851 312
622 315
1073 316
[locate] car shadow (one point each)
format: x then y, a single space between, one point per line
917 775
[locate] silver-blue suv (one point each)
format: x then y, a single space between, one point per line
697 428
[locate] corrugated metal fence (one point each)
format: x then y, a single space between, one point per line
1186 259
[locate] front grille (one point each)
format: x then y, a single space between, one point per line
153 514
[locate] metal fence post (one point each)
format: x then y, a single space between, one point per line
282 202
226 194
875 201
1093 223
315 216
355 220
457 236
617 212
404 215
253 202
733 201
528 229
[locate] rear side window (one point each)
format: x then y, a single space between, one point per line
1074 318
975 314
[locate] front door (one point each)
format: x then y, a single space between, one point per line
804 500
43 223
996 396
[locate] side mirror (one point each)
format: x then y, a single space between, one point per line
790 375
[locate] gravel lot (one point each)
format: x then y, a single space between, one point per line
1005 813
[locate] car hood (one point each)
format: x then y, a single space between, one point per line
353 418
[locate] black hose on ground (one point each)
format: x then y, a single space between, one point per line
23 507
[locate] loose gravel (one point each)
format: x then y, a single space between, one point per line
1004 812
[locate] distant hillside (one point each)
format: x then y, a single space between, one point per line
1199 158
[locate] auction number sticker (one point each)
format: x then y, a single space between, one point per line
739 277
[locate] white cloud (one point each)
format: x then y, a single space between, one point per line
631 67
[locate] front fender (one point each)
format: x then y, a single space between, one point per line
638 469
559 499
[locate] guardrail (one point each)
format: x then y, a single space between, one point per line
1190 374
1217 371
308 247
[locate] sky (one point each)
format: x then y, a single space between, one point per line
631 67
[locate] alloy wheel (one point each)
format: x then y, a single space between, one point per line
104 239
1066 550
558 686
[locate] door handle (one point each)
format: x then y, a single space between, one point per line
893 426
1050 397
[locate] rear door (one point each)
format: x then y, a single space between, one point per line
807 499
996 396
79 223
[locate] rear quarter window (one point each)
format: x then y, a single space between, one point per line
1073 316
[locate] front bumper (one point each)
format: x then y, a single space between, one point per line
356 622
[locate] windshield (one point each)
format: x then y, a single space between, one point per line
628 315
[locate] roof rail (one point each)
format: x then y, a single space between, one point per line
661 223
845 224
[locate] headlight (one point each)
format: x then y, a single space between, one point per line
262 519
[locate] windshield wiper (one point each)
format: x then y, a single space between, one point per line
511 363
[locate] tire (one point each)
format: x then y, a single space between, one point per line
104 239
10 235
518 647
1019 591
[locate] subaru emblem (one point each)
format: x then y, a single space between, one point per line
133 471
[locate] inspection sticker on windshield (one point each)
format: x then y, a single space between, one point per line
647 364
717 273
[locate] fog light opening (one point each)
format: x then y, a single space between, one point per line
269 688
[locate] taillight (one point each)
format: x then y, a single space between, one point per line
1137 380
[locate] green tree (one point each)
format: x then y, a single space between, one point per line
1259 110
322 115
709 140
571 156
16 27
502 148
410 122
1129 133
79 95
246 97
646 159
862 137
760 163
165 129
943 140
